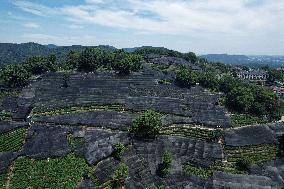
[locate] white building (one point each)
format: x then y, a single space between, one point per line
253 75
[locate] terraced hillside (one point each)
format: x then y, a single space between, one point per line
67 137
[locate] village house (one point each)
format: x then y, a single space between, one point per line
253 75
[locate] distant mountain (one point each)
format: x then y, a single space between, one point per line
252 61
17 53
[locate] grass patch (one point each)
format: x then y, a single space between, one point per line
13 140
59 173
256 153
239 120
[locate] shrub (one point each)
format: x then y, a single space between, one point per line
164 167
243 164
120 175
119 149
147 125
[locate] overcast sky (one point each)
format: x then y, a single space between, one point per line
201 26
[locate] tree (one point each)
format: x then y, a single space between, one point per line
92 58
72 60
186 77
126 63
240 98
147 125
227 83
275 75
208 80
14 75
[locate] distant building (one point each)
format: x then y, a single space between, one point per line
253 75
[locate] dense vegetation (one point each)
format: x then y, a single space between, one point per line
88 60
57 173
190 56
240 97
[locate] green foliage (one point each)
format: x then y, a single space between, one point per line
3 177
240 99
75 142
246 119
243 164
199 171
126 62
157 50
147 125
13 140
255 153
119 149
164 167
14 75
190 56
192 132
186 77
208 80
4 116
92 58
72 60
275 75
59 173
120 175
167 158
39 64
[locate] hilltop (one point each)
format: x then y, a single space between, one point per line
146 118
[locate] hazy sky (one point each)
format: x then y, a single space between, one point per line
201 26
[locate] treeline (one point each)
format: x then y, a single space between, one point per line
88 60
240 97
190 56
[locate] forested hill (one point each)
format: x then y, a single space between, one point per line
11 53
